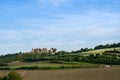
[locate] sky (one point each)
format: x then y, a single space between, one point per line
63 24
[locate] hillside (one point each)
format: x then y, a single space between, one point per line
83 58
99 51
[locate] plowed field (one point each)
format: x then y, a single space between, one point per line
112 73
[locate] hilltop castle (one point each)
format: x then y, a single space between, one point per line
44 50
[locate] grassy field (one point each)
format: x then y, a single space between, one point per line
100 51
18 64
112 73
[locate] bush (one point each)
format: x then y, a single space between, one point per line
55 61
12 76
3 64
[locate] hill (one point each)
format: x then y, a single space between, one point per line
99 51
83 58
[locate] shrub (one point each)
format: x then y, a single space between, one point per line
3 64
12 76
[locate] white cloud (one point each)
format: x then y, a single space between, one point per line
97 31
13 48
10 34
108 41
66 31
60 44
91 24
54 3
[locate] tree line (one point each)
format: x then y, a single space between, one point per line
104 58
114 45
107 46
108 57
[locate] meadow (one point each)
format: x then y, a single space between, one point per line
49 65
99 51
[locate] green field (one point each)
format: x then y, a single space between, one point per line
100 51
44 64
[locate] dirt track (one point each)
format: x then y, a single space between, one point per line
75 74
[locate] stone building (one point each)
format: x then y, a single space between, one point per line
53 50
44 50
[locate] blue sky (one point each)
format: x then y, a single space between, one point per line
63 24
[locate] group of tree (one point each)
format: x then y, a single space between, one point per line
29 57
107 46
9 57
112 51
82 50
104 58
97 47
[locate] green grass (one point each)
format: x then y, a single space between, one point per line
45 64
100 51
